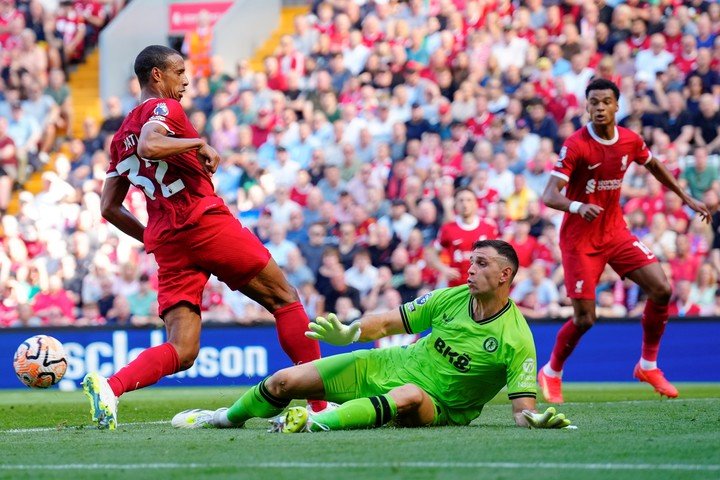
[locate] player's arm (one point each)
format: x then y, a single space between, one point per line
112 209
368 328
432 257
526 415
553 198
659 171
518 406
155 143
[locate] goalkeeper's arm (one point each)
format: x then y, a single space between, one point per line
366 329
526 415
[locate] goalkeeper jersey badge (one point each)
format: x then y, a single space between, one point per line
490 344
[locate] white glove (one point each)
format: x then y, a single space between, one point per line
332 331
549 419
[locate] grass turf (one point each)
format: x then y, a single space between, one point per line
624 431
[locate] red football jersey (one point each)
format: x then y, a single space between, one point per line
594 169
455 241
178 189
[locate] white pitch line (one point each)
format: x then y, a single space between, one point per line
384 465
71 427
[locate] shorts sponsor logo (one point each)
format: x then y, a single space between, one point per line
490 344
423 299
461 361
161 109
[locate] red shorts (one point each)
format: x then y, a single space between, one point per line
582 269
217 244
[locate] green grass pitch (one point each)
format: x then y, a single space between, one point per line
624 431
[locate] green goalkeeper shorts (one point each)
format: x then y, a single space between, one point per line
368 373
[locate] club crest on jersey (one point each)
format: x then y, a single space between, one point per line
161 109
490 344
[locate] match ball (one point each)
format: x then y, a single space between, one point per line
40 361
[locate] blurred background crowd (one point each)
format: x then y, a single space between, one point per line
374 132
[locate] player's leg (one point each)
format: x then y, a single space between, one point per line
252 271
651 278
581 275
363 383
240 260
179 293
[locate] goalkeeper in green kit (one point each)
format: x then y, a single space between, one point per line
478 343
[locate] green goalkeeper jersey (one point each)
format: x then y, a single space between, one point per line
464 363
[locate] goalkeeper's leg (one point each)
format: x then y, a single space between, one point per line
409 405
271 396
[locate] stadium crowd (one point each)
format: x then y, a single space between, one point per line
352 154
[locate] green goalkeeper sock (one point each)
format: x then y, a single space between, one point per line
359 413
256 402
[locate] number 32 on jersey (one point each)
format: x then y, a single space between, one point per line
131 165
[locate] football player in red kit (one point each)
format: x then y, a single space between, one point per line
592 164
190 231
450 253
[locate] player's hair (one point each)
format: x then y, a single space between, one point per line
154 56
602 84
504 249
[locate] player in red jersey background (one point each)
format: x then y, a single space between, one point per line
190 231
592 164
450 254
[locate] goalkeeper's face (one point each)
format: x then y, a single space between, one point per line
488 271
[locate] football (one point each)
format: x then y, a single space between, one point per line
40 361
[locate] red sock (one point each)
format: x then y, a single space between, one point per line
291 322
149 367
653 321
567 338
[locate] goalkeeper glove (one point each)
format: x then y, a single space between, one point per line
549 419
332 331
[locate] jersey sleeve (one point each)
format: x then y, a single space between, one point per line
417 315
521 367
442 241
170 114
567 161
643 155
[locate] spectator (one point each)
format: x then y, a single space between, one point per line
362 275
700 177
681 305
654 59
704 289
536 296
197 45
143 302
54 306
338 287
608 307
278 245
707 124
296 271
